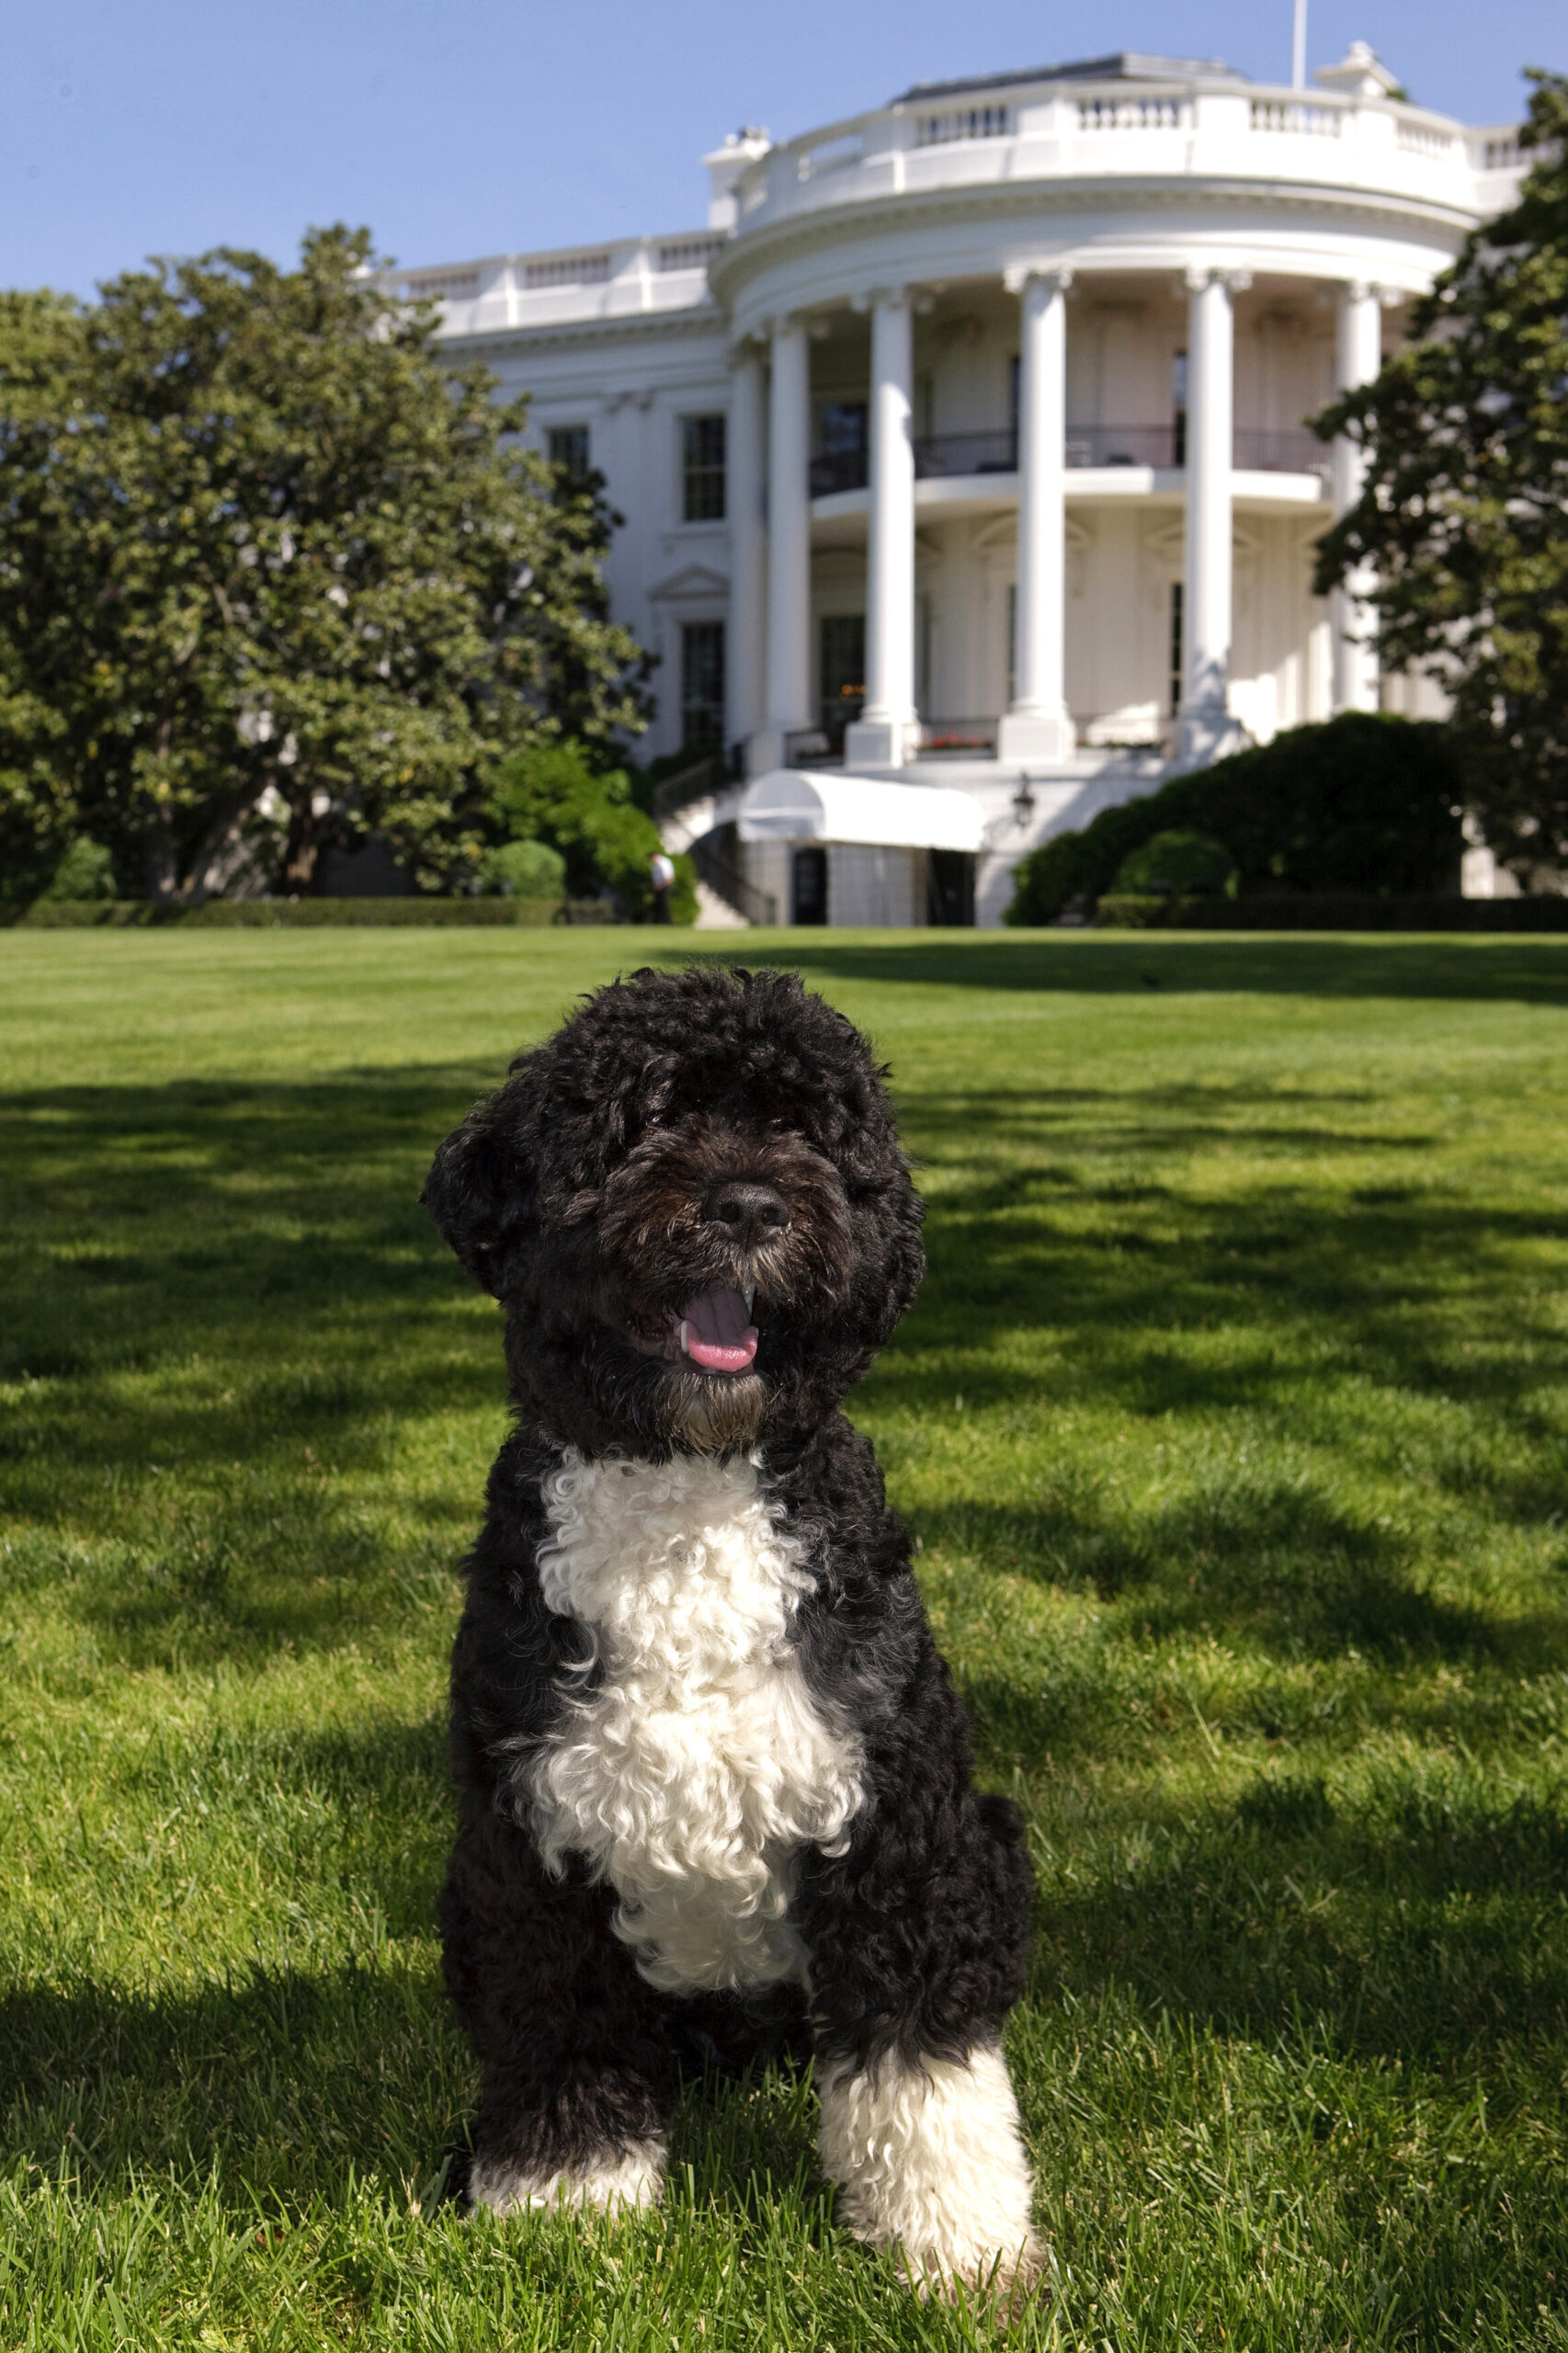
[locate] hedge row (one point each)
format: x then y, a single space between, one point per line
1364 803
250 915
1330 911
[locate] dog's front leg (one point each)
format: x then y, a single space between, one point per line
915 1958
580 2071
930 2160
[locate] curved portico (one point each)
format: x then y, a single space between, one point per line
1157 209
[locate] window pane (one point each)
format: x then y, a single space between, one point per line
568 446
702 463
843 672
701 685
843 427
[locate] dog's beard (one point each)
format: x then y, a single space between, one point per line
715 1415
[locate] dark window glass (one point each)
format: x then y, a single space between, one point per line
843 460
568 446
703 469
807 886
1178 408
842 424
843 672
701 685
1175 647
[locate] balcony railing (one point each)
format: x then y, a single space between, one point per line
1124 445
936 454
959 735
1289 449
840 469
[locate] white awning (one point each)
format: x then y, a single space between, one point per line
790 805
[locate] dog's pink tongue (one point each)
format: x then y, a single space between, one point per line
714 1331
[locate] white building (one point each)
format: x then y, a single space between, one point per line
963 457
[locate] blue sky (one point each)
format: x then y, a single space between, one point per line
461 128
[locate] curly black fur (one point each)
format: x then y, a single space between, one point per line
575 1195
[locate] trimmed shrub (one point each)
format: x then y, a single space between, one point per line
87 871
1177 861
1361 802
551 793
525 870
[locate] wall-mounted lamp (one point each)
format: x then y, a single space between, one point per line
1023 801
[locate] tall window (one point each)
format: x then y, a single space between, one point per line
843 672
703 469
568 448
1178 408
1176 647
701 685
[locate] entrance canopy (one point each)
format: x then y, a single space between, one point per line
788 805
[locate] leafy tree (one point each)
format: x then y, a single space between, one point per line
1361 802
1463 516
261 550
553 793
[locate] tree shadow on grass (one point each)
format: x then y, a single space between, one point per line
1346 965
147 1222
1421 1924
1269 1562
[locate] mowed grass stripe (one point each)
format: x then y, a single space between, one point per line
1231 1422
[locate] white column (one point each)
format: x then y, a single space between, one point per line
1206 731
744 691
885 732
789 549
1039 726
1359 358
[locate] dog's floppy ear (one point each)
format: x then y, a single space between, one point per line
480 1192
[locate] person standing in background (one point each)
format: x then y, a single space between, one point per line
662 873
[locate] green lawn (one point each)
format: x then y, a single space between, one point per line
1233 1422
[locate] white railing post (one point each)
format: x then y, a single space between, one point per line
1359 358
744 694
1039 726
885 732
1206 731
789 548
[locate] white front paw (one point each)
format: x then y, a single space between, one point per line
635 2178
929 2159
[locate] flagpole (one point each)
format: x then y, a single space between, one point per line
1299 49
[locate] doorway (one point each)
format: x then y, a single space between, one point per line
949 887
807 886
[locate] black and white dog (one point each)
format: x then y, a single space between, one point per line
714 1780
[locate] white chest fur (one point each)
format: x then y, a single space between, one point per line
698 1766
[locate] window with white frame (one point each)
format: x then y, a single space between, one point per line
701 685
567 446
703 469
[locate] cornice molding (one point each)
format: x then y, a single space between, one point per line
758 249
639 326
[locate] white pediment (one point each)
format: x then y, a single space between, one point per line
692 580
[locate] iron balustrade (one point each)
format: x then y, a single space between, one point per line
726 882
1124 445
1291 450
840 469
1283 450
936 454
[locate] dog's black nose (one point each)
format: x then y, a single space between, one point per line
751 1211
